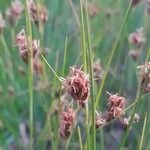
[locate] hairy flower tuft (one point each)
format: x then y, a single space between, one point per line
14 12
21 41
77 86
116 105
66 123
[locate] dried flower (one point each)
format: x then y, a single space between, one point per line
2 23
108 12
116 106
93 10
77 86
137 38
39 13
134 54
66 123
97 70
135 2
99 121
37 66
147 6
144 72
11 91
14 12
21 41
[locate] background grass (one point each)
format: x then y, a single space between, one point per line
121 78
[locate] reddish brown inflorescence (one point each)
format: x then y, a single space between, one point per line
39 13
116 105
2 23
14 12
77 86
97 71
22 43
144 72
99 121
66 123
137 38
135 2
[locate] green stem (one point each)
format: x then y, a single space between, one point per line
143 133
80 139
51 68
112 54
82 28
65 54
30 72
93 145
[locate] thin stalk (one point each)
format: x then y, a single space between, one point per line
30 72
93 144
83 43
80 139
74 12
112 54
65 56
138 97
51 68
143 133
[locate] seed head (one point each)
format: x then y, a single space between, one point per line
14 12
99 121
135 2
77 86
97 70
137 38
39 13
66 123
116 105
21 41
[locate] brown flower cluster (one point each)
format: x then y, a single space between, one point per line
2 23
135 2
93 10
137 40
14 12
144 73
97 71
66 123
77 86
39 13
147 6
22 43
116 105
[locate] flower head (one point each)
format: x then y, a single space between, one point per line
97 70
2 23
66 123
21 41
135 2
99 121
39 13
77 86
144 73
137 38
116 106
14 12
